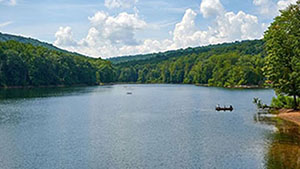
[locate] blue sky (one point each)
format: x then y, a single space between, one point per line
107 28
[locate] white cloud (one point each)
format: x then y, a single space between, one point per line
5 24
282 4
269 8
228 27
108 35
120 3
64 37
261 2
148 46
238 26
9 2
266 7
13 2
211 8
111 36
186 34
120 29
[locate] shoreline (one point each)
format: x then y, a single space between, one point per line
49 86
236 86
290 115
117 83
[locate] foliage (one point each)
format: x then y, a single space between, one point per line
259 104
225 65
246 47
282 101
283 53
27 65
8 37
228 65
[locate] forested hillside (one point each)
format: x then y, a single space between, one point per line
7 37
254 46
22 64
225 65
29 62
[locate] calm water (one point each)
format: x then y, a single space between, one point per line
158 126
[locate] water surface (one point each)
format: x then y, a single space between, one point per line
158 126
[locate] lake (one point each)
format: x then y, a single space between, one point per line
157 126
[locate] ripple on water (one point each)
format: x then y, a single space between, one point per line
158 126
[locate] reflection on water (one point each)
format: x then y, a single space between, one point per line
157 126
284 150
37 92
14 107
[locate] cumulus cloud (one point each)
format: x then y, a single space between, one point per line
118 30
233 27
111 36
64 37
120 3
228 27
107 36
282 4
9 2
211 8
186 34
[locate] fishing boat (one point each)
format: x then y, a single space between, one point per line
225 108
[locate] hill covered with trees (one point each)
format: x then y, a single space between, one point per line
29 62
225 65
197 50
24 64
7 37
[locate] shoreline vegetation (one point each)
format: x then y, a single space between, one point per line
47 86
237 86
231 65
108 84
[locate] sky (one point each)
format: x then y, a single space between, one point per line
109 28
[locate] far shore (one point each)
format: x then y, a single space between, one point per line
290 115
237 86
116 83
48 86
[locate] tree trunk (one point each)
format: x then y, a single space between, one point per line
295 102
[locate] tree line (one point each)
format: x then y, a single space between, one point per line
227 65
22 64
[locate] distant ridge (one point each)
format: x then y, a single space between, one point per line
26 62
253 46
7 37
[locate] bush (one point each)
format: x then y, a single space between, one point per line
283 102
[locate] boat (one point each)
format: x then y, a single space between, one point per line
219 108
129 93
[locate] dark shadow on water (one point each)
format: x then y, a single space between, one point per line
42 92
13 111
284 149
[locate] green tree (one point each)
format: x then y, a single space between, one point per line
282 67
105 73
15 69
24 64
142 74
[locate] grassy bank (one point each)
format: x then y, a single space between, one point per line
290 115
